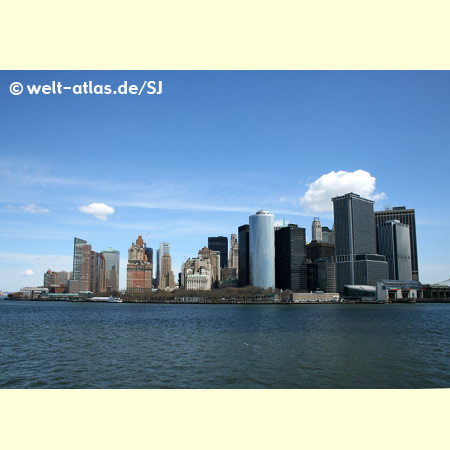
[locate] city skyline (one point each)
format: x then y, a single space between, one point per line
214 148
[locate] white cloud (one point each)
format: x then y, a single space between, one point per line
99 210
321 191
28 273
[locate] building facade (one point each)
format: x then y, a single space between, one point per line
196 274
89 269
164 249
290 258
167 280
262 250
219 244
393 241
316 250
244 256
112 267
355 243
408 217
316 230
139 269
233 256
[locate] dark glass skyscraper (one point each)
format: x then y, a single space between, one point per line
244 252
355 243
290 258
219 244
408 217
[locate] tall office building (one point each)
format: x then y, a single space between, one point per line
112 266
290 258
89 269
393 241
219 244
356 259
326 274
316 250
233 256
262 250
316 230
164 249
244 254
77 257
408 217
167 278
139 269
328 235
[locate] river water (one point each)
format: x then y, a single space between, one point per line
87 345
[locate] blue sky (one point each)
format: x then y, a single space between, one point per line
215 147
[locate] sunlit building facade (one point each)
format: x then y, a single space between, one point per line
262 250
112 265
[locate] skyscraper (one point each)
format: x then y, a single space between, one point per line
393 241
112 265
408 217
290 258
262 250
356 258
89 270
77 257
233 257
244 254
167 278
164 249
316 230
139 269
219 244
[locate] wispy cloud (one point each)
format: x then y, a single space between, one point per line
34 209
28 273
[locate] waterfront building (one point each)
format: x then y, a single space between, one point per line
196 274
312 281
408 217
326 274
77 258
290 258
219 244
262 250
139 269
244 255
167 280
316 230
215 259
233 256
112 266
393 241
89 270
356 259
164 249
56 278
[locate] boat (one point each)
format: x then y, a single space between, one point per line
105 299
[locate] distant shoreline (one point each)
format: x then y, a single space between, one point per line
207 301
